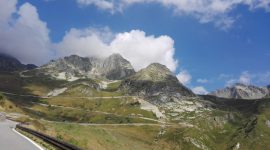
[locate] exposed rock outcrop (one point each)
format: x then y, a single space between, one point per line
242 91
114 67
156 83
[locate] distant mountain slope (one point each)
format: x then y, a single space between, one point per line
114 67
155 82
242 91
9 63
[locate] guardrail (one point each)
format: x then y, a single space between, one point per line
50 140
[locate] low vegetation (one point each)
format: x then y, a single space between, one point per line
120 106
110 137
70 117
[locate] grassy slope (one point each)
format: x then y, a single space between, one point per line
111 137
12 82
120 106
231 123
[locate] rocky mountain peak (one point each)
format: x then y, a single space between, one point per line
9 63
240 85
156 83
154 72
158 67
115 56
242 91
114 67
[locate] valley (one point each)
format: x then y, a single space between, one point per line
150 109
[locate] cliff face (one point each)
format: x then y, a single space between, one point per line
114 67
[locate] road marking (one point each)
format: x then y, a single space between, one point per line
31 141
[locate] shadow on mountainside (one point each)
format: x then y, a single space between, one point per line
240 105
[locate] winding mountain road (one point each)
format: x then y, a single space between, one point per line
10 139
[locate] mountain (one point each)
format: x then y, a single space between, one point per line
9 63
242 91
157 83
114 67
268 87
153 97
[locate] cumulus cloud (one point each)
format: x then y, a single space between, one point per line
141 50
25 36
244 78
184 77
102 4
85 42
200 90
216 11
7 8
202 80
137 47
249 78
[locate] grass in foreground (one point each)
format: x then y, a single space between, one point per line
110 137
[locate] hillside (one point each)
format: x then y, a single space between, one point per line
242 91
9 63
149 109
74 67
155 82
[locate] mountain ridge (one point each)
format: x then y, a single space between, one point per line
113 67
242 91
10 63
156 83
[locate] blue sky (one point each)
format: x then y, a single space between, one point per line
213 47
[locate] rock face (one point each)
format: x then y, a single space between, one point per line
9 63
157 83
242 91
114 67
268 87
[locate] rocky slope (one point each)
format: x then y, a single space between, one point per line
9 63
157 83
268 87
114 67
242 91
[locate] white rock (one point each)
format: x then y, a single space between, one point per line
56 92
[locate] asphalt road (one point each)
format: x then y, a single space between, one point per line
10 140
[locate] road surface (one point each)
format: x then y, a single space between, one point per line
11 140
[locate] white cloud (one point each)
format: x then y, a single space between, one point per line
216 11
7 8
86 42
25 36
141 49
244 78
224 76
202 80
184 77
231 82
137 47
200 90
102 4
